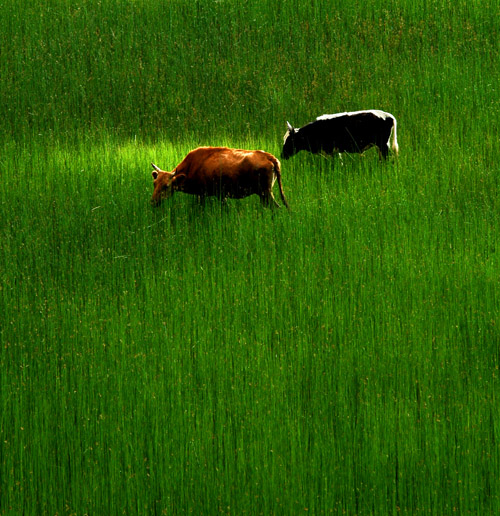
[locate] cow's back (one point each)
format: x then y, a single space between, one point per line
348 132
225 171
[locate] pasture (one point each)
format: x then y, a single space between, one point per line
342 357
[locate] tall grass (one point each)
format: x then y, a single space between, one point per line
200 69
342 357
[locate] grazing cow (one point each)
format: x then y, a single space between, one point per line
356 131
221 172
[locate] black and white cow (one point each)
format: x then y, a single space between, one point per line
356 131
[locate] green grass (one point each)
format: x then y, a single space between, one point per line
342 357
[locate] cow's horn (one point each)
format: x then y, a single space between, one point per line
289 126
155 167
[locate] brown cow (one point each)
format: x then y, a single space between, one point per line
221 172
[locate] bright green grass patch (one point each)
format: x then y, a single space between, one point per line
343 355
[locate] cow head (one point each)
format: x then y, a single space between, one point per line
165 183
289 142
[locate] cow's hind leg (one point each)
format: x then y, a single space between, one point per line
267 179
383 150
384 138
268 201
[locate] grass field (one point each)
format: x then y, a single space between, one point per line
340 357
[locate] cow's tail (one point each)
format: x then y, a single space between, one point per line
394 136
277 170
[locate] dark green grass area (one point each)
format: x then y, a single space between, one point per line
340 357
182 70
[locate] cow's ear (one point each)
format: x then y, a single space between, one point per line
154 174
178 180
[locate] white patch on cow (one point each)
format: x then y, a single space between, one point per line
287 134
376 112
395 146
290 130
